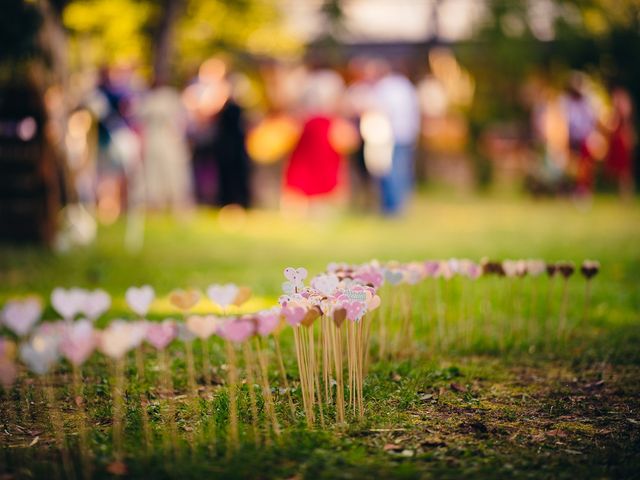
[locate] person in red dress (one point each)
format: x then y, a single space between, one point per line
619 161
315 173
315 164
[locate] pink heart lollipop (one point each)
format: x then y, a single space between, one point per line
355 309
294 314
237 330
161 334
21 315
78 342
268 321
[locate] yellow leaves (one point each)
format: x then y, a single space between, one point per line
109 30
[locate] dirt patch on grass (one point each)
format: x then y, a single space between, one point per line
550 419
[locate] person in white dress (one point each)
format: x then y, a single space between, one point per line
166 157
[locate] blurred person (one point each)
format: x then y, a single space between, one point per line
581 123
360 100
217 132
165 151
550 129
229 149
397 99
119 150
619 160
204 98
315 174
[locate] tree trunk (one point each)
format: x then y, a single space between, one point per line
163 45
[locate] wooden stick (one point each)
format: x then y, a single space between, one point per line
301 371
549 313
233 401
326 366
58 426
305 379
144 401
283 375
338 368
266 388
191 369
250 366
194 408
315 376
85 454
563 308
382 329
369 319
587 301
169 402
118 409
206 362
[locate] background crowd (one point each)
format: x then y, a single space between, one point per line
533 96
354 135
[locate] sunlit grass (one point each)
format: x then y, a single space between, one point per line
474 351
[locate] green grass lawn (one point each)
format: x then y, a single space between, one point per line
462 406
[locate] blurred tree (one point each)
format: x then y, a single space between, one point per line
109 31
171 37
33 111
520 38
163 41
235 27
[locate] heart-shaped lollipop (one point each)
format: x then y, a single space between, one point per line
312 314
237 330
21 315
339 316
202 326
139 299
115 341
244 294
184 334
535 267
590 268
355 309
566 269
223 295
184 299
78 342
268 321
295 274
95 304
294 314
161 334
7 349
8 373
295 277
8 368
325 284
40 352
510 268
393 277
68 303
374 302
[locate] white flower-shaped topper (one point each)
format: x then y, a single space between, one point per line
295 279
139 299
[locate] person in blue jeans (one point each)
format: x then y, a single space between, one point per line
397 99
396 186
